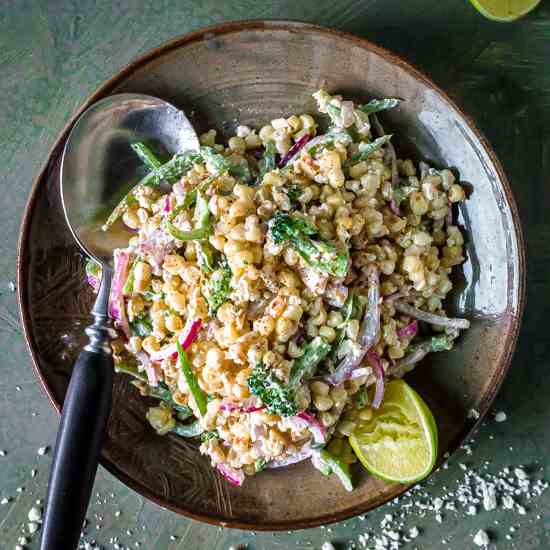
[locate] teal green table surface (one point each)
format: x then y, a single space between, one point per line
53 54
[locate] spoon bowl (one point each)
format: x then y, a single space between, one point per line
99 166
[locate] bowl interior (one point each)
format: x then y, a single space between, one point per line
249 74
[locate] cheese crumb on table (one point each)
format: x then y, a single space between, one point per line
481 538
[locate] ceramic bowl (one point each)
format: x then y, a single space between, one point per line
250 73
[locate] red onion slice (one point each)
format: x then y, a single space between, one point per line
449 218
150 369
93 282
368 334
431 318
116 298
361 371
192 334
300 456
394 208
185 340
235 477
409 330
295 149
374 360
249 405
338 136
315 427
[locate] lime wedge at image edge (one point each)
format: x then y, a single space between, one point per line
504 10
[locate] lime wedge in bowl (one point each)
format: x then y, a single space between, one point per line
504 10
399 443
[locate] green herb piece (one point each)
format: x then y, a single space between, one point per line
173 170
442 342
153 296
202 227
369 148
128 287
361 398
353 134
352 310
193 429
162 391
146 155
215 162
338 467
125 368
92 269
293 194
142 326
335 114
305 366
278 398
328 141
169 172
191 380
206 256
240 169
209 436
376 105
267 163
259 465
317 253
218 287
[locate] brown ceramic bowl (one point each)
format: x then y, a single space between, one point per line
253 72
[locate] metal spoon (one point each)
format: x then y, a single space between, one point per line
98 168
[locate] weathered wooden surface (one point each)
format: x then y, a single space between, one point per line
54 53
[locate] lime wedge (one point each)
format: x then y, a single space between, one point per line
504 10
399 443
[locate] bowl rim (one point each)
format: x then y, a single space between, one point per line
107 87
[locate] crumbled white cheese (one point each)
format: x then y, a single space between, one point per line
327 546
43 450
500 416
481 538
243 131
478 491
473 414
35 514
33 527
489 496
394 535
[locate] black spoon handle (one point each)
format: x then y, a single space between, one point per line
80 435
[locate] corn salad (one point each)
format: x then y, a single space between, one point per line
275 282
